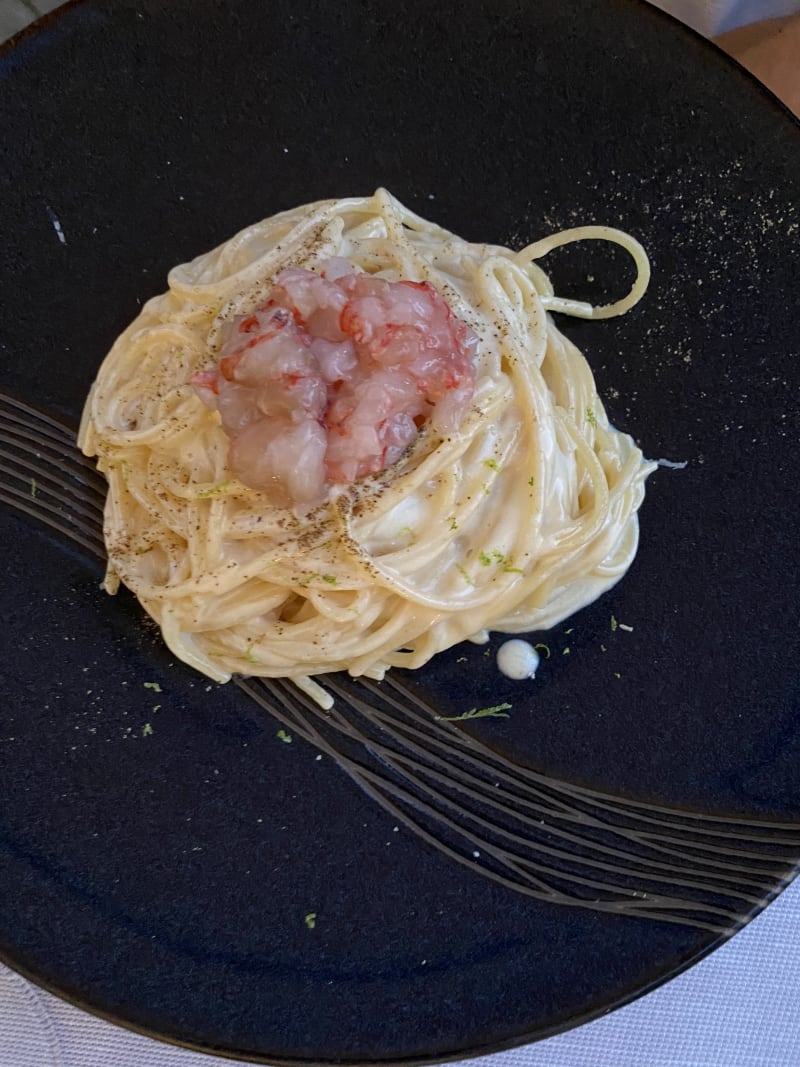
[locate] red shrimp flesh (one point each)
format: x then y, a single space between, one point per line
333 377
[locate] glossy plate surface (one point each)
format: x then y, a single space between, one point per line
162 850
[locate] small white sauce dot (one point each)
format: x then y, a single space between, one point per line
517 660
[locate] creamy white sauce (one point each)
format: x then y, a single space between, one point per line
479 638
517 659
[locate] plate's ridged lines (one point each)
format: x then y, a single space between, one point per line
43 475
548 839
509 823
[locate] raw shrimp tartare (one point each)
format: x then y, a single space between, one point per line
333 376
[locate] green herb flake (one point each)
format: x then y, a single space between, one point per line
147 729
283 736
154 686
543 648
487 558
613 623
453 523
33 487
212 490
566 651
464 574
329 579
499 711
492 464
311 920
250 655
591 418
531 481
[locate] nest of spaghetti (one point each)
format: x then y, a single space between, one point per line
420 477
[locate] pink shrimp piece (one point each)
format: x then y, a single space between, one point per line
333 377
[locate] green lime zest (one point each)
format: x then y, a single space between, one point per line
464 574
212 490
329 579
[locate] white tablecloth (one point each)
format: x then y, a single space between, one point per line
738 1008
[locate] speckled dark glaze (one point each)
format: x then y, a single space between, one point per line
164 879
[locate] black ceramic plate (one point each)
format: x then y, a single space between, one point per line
162 849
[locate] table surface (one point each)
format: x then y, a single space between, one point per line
737 1008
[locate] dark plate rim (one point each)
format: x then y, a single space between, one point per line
74 998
